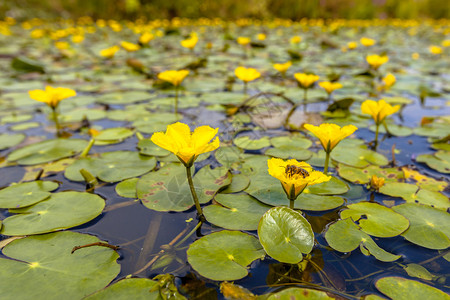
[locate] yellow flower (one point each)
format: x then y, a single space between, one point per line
306 80
445 43
173 76
242 40
282 68
352 45
294 176
389 80
367 42
330 134
375 61
62 45
379 110
37 33
376 182
130 47
261 37
51 96
190 42
246 74
109 52
146 37
296 39
187 145
415 56
77 38
329 87
435 50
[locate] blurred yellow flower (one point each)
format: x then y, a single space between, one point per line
329 87
352 45
367 42
190 42
173 76
389 80
51 96
242 40
296 39
330 134
415 56
379 110
146 37
435 50
261 37
246 74
187 145
294 176
282 68
77 38
376 182
109 52
62 45
306 80
375 61
37 33
445 43
130 47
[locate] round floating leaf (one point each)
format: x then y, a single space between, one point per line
239 182
346 236
47 151
291 141
25 194
358 157
224 255
229 157
111 166
124 97
285 234
394 129
10 140
429 227
375 219
362 176
286 152
131 288
62 210
399 288
418 271
299 293
317 202
24 126
127 188
112 135
78 115
332 187
42 267
440 161
168 190
245 142
236 212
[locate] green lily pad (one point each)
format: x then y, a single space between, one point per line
46 151
245 142
10 140
313 202
78 115
239 182
229 157
147 147
111 166
418 271
291 141
124 97
439 161
375 219
113 135
432 131
299 293
358 157
168 190
25 194
363 176
235 212
346 236
285 234
429 227
394 129
228 251
402 289
412 193
131 288
332 187
127 188
24 126
62 210
42 266
286 152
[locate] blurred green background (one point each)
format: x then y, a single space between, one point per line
226 9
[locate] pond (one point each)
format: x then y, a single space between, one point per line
95 205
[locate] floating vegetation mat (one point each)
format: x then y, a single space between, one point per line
224 160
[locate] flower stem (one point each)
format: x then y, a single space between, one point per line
376 136
194 194
176 99
55 119
245 87
327 159
291 203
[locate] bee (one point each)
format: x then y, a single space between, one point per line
291 170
